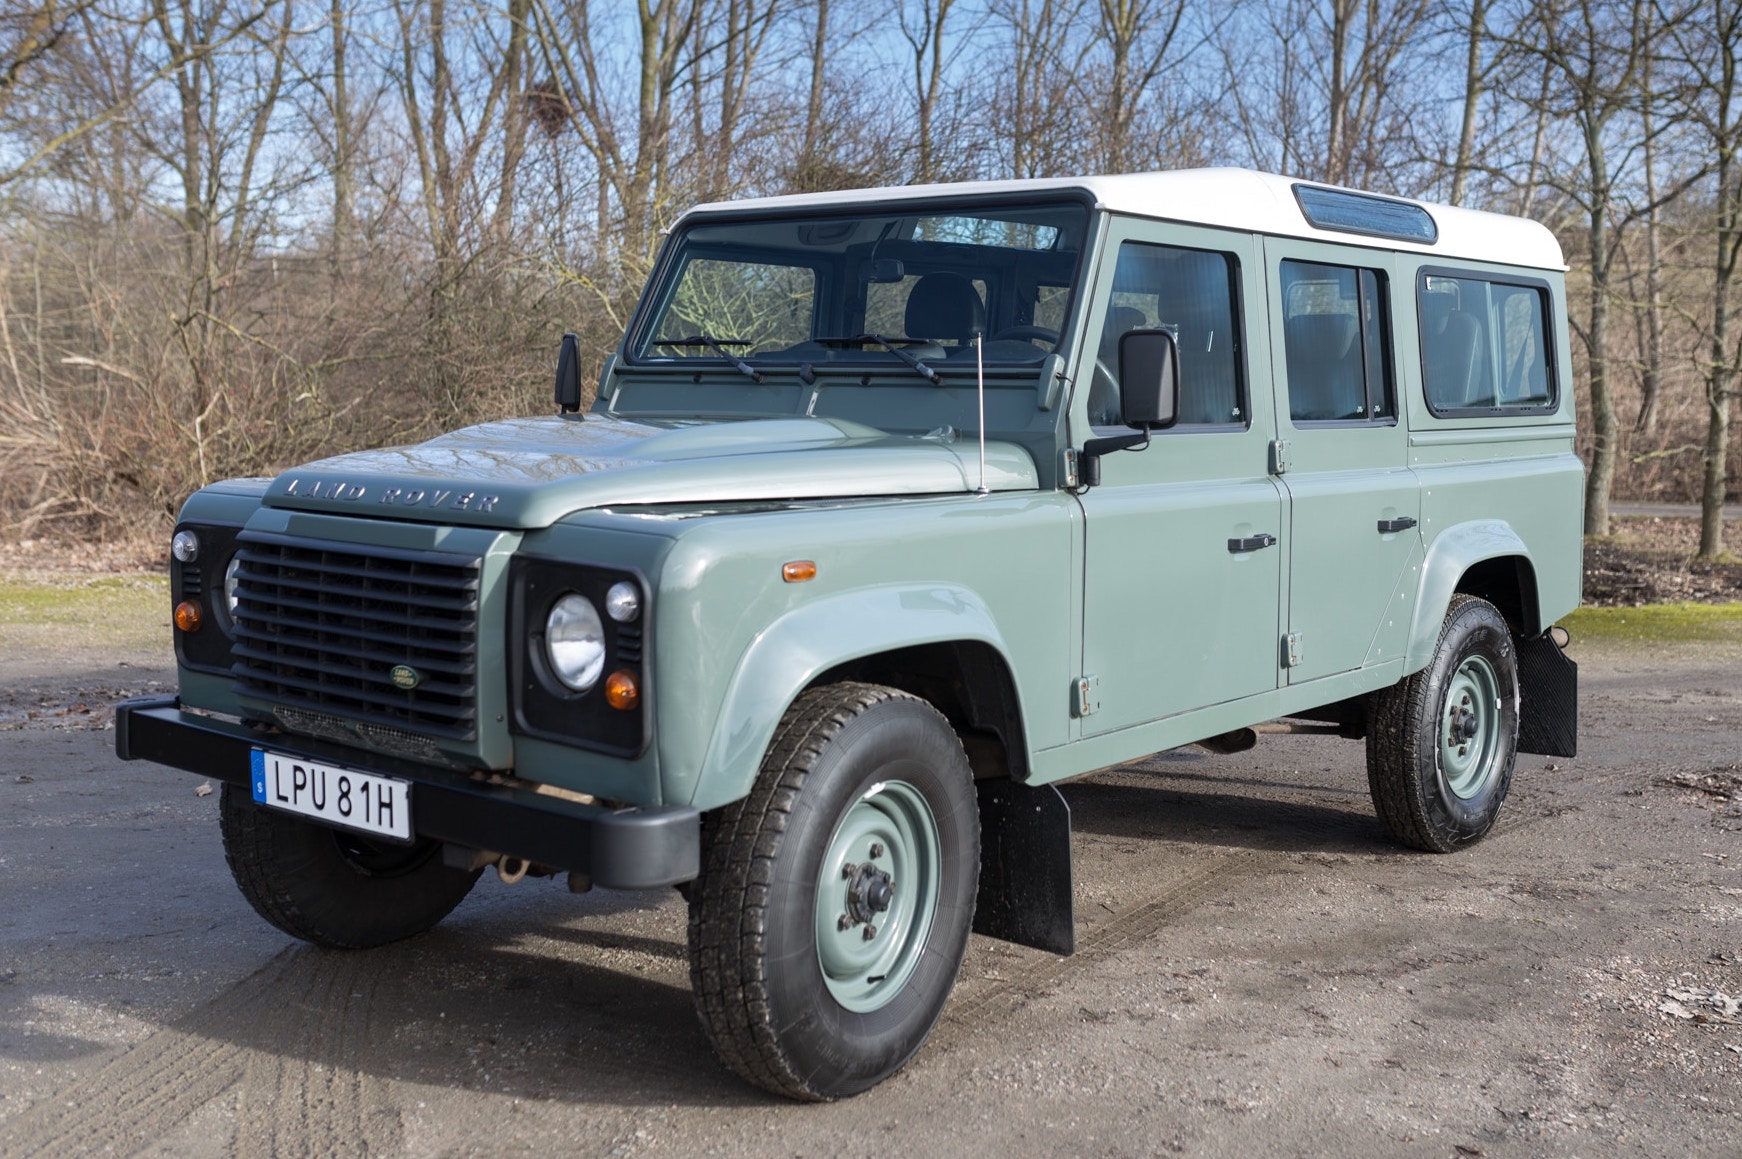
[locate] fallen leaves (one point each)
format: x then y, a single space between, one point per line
1701 1006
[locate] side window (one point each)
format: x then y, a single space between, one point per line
1192 293
1334 327
1484 345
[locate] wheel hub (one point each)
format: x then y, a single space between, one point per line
877 895
1469 747
869 892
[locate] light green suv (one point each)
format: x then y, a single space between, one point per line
895 508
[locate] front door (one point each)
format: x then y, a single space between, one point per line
1184 539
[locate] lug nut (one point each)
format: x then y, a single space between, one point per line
843 923
848 870
870 932
876 850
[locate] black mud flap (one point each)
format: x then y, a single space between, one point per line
1548 693
1025 867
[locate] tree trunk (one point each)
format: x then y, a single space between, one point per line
1473 87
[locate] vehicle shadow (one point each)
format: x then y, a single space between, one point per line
1196 799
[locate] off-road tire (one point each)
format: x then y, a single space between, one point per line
762 992
1420 791
334 888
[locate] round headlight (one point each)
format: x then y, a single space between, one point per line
623 602
185 546
574 642
230 573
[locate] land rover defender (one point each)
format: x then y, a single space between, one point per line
894 509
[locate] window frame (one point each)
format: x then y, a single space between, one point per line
1387 367
1545 316
1237 322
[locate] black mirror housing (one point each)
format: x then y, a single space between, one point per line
568 375
1149 379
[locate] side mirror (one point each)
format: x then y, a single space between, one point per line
1149 379
568 375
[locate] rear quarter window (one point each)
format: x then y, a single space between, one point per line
1485 346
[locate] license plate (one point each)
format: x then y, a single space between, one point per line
336 796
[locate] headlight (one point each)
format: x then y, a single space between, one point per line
574 642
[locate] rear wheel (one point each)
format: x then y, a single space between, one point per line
835 900
332 887
1441 743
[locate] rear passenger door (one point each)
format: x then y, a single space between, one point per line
1353 504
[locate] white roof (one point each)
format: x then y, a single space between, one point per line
1232 198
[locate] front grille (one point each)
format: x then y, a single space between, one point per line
323 626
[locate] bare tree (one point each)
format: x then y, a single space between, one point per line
1709 47
1592 55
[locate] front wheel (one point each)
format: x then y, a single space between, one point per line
1441 743
835 900
331 887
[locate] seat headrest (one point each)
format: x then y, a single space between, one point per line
945 307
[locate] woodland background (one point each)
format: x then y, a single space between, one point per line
236 235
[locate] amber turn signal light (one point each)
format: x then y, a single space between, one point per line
798 571
187 616
621 690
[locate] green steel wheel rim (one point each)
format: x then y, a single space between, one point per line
880 873
1470 728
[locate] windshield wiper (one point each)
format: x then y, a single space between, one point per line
891 345
718 345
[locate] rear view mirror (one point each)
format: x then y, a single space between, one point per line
882 270
1149 379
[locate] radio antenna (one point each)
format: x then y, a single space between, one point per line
980 377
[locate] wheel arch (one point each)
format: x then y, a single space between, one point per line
938 642
1486 559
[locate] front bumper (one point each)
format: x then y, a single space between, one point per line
629 848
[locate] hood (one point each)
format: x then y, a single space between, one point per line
528 473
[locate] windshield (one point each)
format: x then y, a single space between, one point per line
907 286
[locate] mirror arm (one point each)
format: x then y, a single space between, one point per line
1090 467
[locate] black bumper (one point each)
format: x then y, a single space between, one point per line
618 848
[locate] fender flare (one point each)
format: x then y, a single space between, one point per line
1453 552
795 649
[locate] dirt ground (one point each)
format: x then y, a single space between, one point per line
1261 971
1650 560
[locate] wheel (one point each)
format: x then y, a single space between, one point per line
1441 743
835 900
331 887
1027 334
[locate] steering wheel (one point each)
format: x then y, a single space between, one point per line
1026 334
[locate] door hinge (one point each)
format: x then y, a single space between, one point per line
1278 456
1088 698
1291 650
1070 469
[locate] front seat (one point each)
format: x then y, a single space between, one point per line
945 307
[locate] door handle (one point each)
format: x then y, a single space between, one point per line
1251 543
1402 523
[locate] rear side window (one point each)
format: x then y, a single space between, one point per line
1484 345
1334 327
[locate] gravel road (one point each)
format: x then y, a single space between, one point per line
1261 972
